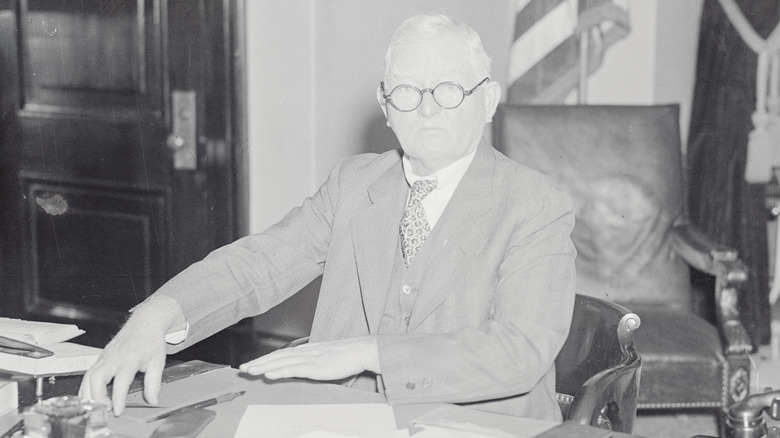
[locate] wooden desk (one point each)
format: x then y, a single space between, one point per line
293 392
260 391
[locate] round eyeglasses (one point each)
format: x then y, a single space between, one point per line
447 95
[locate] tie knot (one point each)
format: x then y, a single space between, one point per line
421 188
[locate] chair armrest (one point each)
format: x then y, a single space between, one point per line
609 398
704 254
722 262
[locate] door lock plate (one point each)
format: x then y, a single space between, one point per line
183 137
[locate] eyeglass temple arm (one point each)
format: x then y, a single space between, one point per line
468 92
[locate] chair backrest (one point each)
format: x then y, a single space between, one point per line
598 368
622 167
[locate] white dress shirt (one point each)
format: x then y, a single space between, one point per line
448 179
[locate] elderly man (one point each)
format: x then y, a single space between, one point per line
448 271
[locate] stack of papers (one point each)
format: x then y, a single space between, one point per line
320 421
68 358
9 396
36 332
453 421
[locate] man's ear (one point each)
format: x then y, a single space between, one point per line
492 95
381 99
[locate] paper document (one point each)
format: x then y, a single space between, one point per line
462 422
9 396
319 421
36 332
69 358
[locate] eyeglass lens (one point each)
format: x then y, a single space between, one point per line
407 97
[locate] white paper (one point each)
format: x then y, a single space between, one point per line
442 432
454 432
37 332
400 433
319 420
462 422
69 358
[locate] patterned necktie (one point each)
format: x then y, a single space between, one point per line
414 226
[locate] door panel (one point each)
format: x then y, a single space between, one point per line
113 230
68 69
93 167
93 215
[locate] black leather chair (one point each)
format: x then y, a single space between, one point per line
598 368
622 165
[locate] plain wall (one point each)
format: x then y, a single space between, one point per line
313 67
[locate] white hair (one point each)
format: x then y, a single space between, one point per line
420 28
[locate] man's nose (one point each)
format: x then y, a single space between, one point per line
428 105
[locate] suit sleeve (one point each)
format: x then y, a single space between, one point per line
511 351
255 273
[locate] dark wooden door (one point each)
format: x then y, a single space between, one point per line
99 203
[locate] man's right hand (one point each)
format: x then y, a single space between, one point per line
139 346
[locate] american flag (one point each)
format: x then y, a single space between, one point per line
544 58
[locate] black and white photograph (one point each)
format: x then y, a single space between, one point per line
389 218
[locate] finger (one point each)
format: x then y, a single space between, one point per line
290 371
256 369
85 392
153 381
122 382
93 387
262 360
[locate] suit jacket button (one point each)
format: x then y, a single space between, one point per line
410 386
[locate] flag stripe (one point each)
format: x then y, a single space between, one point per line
528 15
543 83
544 36
544 58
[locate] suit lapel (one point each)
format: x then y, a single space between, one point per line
454 236
375 240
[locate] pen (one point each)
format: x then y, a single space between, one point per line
201 404
19 348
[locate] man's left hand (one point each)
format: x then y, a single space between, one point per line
319 361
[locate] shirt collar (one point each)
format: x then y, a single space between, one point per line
448 178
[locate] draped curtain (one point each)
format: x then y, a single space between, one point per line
720 201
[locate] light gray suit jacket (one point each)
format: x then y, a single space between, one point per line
491 314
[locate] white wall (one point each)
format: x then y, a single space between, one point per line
280 52
313 68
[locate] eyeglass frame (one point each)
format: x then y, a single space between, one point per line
422 92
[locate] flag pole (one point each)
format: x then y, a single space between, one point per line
582 89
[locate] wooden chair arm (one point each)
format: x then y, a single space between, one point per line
608 399
722 262
702 252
